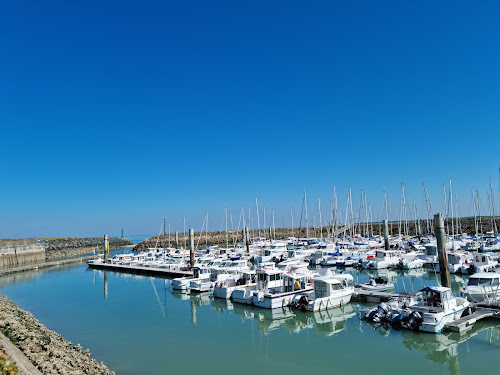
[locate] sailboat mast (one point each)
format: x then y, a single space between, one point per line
334 234
227 233
258 216
320 222
451 211
307 224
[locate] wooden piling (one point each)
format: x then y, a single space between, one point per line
441 247
386 235
191 246
106 247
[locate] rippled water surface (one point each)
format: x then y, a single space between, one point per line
137 325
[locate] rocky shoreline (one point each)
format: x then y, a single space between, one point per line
64 247
46 349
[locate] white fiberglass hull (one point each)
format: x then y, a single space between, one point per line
275 301
329 302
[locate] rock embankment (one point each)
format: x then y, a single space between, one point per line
63 247
47 350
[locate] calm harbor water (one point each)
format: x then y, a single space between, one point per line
138 325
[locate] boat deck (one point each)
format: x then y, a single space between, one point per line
372 296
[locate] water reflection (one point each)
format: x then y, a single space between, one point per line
443 348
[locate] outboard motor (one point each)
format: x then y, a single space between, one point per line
301 304
413 321
472 269
381 313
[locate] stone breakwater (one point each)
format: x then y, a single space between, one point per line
64 247
47 350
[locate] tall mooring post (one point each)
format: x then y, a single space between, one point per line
386 235
191 246
106 247
176 240
441 248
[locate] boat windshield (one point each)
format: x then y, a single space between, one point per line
476 281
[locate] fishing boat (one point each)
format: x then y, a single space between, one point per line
330 290
480 263
436 308
268 277
297 280
383 259
482 287
183 283
378 284
457 261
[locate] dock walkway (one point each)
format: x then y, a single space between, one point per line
467 322
151 271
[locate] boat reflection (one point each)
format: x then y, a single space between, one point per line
326 322
443 348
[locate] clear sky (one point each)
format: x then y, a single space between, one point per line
116 114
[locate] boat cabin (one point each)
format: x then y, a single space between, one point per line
431 250
296 281
385 254
484 279
457 258
438 297
482 260
201 272
325 286
268 278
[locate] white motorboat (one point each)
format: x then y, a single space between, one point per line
383 259
225 289
268 277
330 290
378 284
481 262
457 261
297 280
183 283
483 287
436 308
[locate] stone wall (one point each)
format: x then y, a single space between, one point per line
16 253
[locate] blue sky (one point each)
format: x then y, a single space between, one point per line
118 113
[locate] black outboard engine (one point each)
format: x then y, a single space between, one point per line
380 280
472 269
381 313
301 304
412 321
